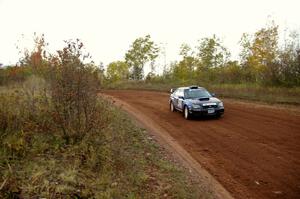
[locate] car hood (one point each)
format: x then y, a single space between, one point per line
200 102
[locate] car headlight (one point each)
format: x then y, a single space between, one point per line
196 106
221 104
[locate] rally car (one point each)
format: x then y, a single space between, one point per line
195 100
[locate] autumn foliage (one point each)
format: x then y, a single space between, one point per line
263 60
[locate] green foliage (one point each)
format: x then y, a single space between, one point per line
232 72
211 53
289 57
203 64
185 69
117 71
263 51
141 51
262 61
185 50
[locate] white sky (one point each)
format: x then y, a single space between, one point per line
109 27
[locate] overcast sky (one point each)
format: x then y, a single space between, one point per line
109 27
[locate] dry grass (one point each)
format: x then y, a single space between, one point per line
114 160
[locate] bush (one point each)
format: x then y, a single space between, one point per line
73 90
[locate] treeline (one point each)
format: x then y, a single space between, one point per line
71 62
262 61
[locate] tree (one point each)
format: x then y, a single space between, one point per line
259 56
232 73
245 43
117 71
184 70
289 56
37 58
211 53
141 51
264 51
186 50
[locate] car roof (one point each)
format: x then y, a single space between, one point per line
191 87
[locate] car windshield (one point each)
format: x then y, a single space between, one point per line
196 93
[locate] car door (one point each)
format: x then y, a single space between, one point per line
175 98
180 99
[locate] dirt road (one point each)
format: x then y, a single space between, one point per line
253 151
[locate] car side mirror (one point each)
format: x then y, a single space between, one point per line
172 90
213 94
181 97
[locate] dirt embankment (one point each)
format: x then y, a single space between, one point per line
253 151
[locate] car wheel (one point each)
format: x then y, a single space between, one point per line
172 108
186 113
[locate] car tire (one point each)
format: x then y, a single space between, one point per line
217 116
172 108
186 113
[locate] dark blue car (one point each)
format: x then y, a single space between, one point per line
195 100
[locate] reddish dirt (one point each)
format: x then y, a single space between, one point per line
253 150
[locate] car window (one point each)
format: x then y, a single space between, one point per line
180 93
196 93
175 92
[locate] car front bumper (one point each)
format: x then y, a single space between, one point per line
204 112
